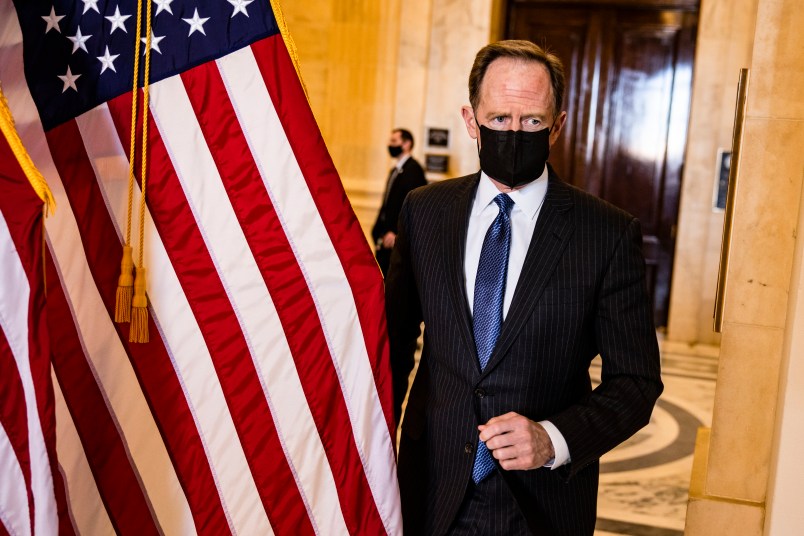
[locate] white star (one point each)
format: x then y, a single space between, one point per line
118 20
163 5
154 43
196 23
69 80
90 4
79 41
53 20
240 6
107 60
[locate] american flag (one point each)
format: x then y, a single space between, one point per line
262 403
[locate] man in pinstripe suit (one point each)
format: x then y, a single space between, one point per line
502 431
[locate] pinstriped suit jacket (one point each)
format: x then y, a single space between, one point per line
581 293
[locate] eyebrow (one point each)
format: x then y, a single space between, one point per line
540 117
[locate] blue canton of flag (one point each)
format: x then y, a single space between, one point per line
79 54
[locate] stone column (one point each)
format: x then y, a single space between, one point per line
724 46
732 471
348 50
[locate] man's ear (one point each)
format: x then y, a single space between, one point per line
557 126
469 118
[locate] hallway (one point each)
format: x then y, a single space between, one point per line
644 481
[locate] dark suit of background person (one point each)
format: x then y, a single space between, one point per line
581 292
406 175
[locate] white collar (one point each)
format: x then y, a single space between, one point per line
528 199
401 162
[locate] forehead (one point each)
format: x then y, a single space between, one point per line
516 82
396 135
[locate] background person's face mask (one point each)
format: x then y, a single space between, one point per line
513 158
395 150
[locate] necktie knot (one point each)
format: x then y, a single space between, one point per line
505 203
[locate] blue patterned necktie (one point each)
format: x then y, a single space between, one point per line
488 305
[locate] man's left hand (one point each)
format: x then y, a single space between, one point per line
517 442
388 240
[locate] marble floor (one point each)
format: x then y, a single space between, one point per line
644 481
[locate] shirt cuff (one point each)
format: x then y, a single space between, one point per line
560 447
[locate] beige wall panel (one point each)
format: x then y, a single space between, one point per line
710 518
725 37
348 52
764 229
744 414
459 29
778 78
412 82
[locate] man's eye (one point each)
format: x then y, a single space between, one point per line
499 119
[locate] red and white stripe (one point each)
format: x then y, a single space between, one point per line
28 501
262 403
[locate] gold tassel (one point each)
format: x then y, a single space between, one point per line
139 310
125 288
138 331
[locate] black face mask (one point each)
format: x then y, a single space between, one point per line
513 157
395 150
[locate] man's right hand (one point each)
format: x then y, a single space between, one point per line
517 442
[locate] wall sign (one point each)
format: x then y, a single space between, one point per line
438 137
436 163
722 179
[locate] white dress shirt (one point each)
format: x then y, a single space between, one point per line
394 174
401 161
527 205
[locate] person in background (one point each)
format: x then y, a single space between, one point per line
406 175
520 280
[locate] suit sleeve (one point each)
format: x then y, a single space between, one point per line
403 310
626 340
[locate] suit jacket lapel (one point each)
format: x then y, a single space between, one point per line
454 225
550 237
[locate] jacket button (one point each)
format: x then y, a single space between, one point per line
480 393
467 448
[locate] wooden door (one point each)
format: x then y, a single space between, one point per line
629 75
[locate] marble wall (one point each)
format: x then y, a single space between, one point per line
348 52
371 66
759 318
724 46
460 29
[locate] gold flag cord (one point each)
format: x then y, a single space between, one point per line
125 283
36 179
131 303
139 303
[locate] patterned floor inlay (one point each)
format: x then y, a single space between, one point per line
644 481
